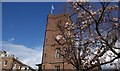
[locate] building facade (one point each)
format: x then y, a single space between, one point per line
0 61
8 62
51 58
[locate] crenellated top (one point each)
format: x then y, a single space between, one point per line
57 16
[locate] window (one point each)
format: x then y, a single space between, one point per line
3 69
45 55
57 53
57 68
25 68
15 65
19 67
59 22
43 66
5 63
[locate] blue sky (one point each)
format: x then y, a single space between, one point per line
23 28
26 22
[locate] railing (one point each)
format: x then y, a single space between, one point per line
7 55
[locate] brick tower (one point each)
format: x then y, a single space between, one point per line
51 59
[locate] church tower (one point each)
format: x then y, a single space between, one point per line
51 59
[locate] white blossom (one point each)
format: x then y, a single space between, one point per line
58 37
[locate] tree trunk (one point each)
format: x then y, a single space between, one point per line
77 70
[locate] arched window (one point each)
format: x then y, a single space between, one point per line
57 53
57 68
5 63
